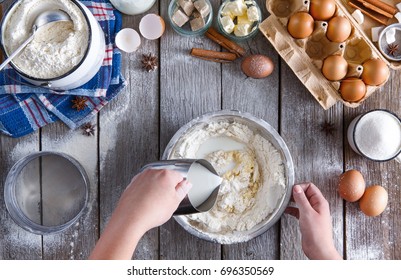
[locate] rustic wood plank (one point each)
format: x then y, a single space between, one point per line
260 97
317 157
189 87
375 237
77 241
15 242
129 134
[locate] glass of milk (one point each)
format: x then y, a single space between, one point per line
133 7
376 135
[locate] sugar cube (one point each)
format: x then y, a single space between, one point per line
187 6
202 7
197 23
179 18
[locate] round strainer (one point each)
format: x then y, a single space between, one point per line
46 192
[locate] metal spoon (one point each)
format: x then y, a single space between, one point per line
41 20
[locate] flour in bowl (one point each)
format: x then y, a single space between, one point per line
57 47
253 178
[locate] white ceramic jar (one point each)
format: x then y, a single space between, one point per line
133 7
81 73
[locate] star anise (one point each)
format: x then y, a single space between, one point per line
88 129
149 62
392 49
327 128
79 103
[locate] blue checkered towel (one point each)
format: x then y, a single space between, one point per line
24 109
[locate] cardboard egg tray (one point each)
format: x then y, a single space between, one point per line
305 56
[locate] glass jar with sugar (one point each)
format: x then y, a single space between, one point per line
133 7
376 135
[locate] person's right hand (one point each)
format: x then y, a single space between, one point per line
152 197
149 201
315 222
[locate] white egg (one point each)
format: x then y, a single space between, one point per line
152 26
128 40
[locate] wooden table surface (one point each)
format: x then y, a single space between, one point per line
135 128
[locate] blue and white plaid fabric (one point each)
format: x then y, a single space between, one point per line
24 109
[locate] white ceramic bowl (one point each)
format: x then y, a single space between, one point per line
258 126
83 71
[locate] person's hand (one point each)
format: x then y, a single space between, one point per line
149 201
315 222
152 197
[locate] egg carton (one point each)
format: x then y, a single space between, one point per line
305 56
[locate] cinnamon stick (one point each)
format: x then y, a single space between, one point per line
215 56
215 36
372 14
382 6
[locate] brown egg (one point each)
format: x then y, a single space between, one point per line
322 9
338 29
301 25
375 72
335 67
351 186
374 201
352 89
257 66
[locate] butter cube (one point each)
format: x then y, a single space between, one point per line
187 6
197 23
236 8
243 20
241 30
202 7
252 13
179 18
227 23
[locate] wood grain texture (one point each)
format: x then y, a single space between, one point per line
15 242
129 134
189 87
317 157
135 128
375 237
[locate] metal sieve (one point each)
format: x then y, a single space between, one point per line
46 192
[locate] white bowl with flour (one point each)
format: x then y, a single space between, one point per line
63 55
256 168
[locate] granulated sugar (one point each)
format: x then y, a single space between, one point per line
378 135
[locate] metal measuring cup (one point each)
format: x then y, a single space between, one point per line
182 166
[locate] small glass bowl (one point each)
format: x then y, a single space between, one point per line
46 192
254 25
186 30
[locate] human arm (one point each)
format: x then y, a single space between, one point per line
315 223
149 201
